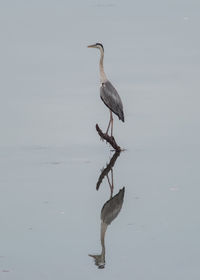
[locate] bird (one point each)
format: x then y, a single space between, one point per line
109 212
108 93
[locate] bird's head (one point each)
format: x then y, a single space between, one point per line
99 260
97 46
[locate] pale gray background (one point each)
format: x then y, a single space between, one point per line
51 155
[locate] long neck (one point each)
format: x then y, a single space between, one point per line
103 77
103 231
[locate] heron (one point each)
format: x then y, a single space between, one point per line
108 93
109 212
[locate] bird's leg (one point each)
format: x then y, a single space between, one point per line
108 126
111 120
112 182
110 185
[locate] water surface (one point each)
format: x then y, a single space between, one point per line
51 156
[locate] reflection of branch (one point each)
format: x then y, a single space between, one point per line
107 169
109 139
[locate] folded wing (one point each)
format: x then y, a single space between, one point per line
111 99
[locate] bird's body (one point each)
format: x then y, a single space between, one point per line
112 207
108 93
111 99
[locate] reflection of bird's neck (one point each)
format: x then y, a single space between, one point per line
103 77
103 231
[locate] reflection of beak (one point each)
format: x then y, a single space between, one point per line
92 46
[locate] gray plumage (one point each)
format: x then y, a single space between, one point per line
111 99
112 207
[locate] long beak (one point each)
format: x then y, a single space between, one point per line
92 46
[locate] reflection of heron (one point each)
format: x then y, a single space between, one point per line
108 93
109 212
110 209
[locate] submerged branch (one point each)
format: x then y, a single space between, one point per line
109 139
107 169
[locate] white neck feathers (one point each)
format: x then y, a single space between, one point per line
103 77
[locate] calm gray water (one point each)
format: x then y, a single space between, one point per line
51 156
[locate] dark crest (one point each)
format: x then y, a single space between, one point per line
98 44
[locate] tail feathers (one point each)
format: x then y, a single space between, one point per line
121 116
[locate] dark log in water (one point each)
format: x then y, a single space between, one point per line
108 168
109 139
